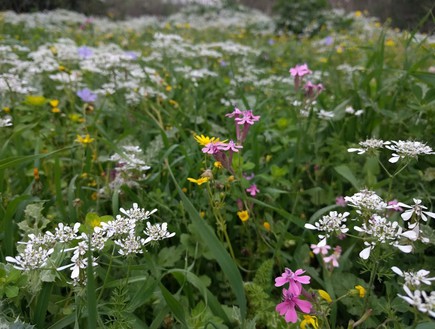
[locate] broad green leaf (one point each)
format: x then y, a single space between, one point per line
345 171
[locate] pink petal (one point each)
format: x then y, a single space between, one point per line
291 315
304 305
280 281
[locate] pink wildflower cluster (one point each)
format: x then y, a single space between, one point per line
223 151
291 296
311 90
322 249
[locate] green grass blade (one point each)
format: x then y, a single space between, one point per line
218 250
174 305
91 291
17 160
42 304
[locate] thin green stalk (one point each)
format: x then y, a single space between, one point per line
372 279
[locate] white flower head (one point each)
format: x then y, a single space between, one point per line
157 232
331 223
408 149
418 209
366 200
369 145
414 279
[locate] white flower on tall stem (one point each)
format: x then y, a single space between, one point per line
408 149
32 258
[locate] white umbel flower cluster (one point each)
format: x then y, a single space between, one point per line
126 231
401 149
415 296
334 222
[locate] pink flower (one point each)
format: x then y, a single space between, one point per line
253 190
394 205
234 113
229 146
333 258
287 307
300 70
294 279
321 247
247 118
211 148
340 201
312 90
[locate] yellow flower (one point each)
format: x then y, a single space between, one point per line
168 88
218 164
76 118
84 140
173 103
266 225
358 13
199 181
390 43
55 110
202 214
184 190
231 179
6 109
204 140
243 215
339 50
361 291
54 103
324 295
36 100
309 320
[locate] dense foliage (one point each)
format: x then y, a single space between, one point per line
160 173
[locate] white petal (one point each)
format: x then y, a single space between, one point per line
310 227
365 253
322 243
411 235
407 215
405 249
11 260
397 270
394 159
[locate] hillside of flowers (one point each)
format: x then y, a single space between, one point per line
207 170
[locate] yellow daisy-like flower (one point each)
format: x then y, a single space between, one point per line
324 295
35 100
266 225
361 291
243 215
55 110
84 140
198 181
204 140
310 321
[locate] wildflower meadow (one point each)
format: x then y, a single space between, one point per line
209 170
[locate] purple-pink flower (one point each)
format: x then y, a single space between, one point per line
229 146
312 90
85 52
242 118
87 95
300 70
333 258
320 248
294 279
287 307
253 190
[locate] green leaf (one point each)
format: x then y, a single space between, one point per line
174 305
345 171
11 291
